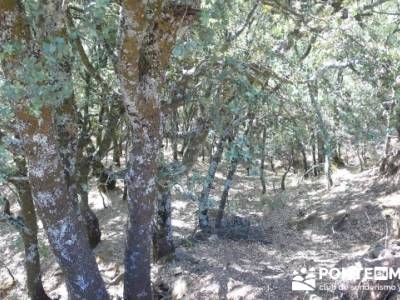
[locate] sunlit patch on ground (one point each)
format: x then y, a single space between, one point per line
306 225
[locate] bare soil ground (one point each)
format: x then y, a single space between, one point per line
305 226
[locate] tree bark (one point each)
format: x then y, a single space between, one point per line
271 162
57 209
141 181
163 242
212 170
163 246
55 204
325 137
83 167
262 162
140 96
225 193
32 258
314 155
149 34
304 157
90 220
283 179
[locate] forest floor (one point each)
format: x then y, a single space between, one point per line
304 226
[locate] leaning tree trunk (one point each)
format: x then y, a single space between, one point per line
50 190
212 170
225 193
32 258
229 177
56 208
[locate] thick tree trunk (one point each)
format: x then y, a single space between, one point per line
57 209
55 204
212 170
149 35
140 95
141 181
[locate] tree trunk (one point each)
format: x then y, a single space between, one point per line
55 204
83 166
163 245
32 258
321 149
212 169
271 163
283 179
140 72
163 242
360 160
174 140
328 171
141 182
57 209
314 156
117 151
90 220
7 207
227 186
262 162
325 139
106 139
304 156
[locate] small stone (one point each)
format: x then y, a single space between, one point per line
213 237
178 271
375 251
